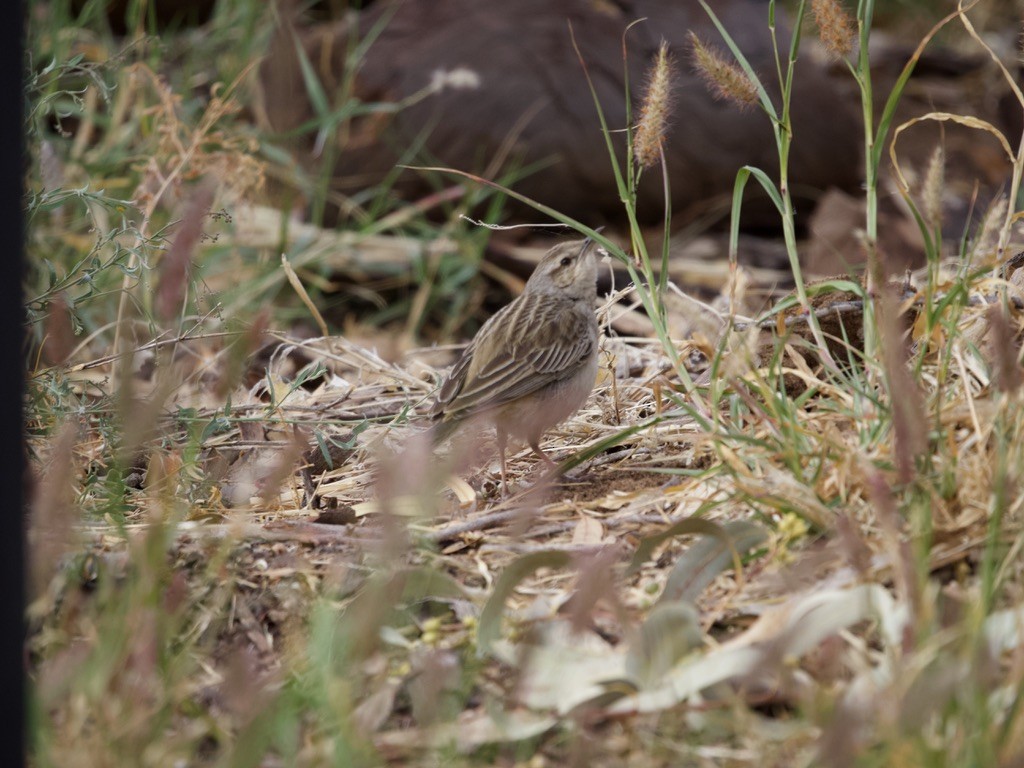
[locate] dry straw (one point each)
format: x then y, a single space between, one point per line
726 79
655 111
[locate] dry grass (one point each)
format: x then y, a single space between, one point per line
590 556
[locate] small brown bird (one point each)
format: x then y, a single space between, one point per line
533 364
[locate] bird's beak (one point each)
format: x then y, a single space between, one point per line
589 241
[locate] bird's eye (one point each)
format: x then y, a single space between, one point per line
566 261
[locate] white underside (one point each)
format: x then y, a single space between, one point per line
529 418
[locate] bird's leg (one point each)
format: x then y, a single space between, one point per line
552 466
502 442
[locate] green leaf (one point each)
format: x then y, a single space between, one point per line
603 445
215 426
422 584
312 371
670 632
837 284
742 177
686 527
489 628
566 670
317 96
51 274
709 556
786 631
769 186
321 443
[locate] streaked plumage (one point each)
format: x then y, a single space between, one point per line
533 364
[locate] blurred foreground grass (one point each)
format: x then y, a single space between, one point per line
873 506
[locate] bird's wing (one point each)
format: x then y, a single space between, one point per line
533 342
452 384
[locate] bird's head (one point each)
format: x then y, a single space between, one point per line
568 268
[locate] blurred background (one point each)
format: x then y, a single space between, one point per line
322 104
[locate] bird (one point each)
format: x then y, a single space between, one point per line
532 364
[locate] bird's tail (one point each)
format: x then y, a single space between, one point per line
441 431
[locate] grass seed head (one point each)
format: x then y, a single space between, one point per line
835 27
988 236
725 79
655 111
931 191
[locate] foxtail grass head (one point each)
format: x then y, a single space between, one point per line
835 27
725 78
655 110
931 190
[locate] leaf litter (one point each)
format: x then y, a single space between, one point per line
702 600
